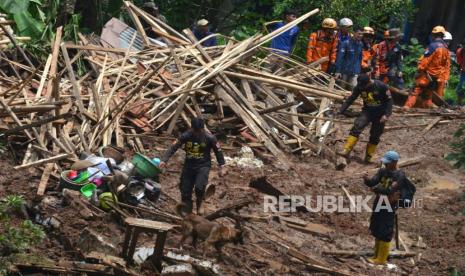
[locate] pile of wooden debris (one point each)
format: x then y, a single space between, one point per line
123 85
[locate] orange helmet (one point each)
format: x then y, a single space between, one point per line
439 30
329 23
368 31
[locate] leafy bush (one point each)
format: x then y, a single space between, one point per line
458 147
16 238
450 94
413 52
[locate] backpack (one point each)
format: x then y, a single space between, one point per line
407 192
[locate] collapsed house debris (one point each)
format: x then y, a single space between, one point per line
92 99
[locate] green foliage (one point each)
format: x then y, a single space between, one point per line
20 11
17 237
413 53
450 94
13 201
458 148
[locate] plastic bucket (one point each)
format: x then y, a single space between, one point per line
66 183
145 167
88 189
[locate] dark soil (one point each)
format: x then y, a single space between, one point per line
439 223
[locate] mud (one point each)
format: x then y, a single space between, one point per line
439 223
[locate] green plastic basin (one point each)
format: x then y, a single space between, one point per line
87 190
144 166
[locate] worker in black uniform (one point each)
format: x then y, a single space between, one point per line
387 184
377 107
197 145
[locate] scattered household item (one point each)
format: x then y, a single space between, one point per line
97 181
156 161
88 189
82 177
134 226
152 189
112 152
81 165
126 166
72 174
67 183
104 198
100 167
135 191
145 167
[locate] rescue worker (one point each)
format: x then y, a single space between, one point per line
460 90
202 30
197 144
345 26
433 71
283 43
389 59
152 9
377 108
369 50
323 43
386 184
349 59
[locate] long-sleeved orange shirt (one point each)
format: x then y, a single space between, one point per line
436 61
322 45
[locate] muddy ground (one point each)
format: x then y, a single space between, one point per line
435 230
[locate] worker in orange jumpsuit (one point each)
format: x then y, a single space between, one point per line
389 59
369 50
433 71
323 43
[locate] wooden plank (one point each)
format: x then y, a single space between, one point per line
148 224
54 61
43 161
38 123
76 88
312 228
430 125
351 253
44 179
98 49
15 43
294 119
351 199
277 108
246 88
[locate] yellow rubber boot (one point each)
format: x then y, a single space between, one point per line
349 146
370 152
383 253
375 254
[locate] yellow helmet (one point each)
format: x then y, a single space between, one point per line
329 23
439 30
368 30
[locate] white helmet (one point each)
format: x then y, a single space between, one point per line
345 22
448 36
